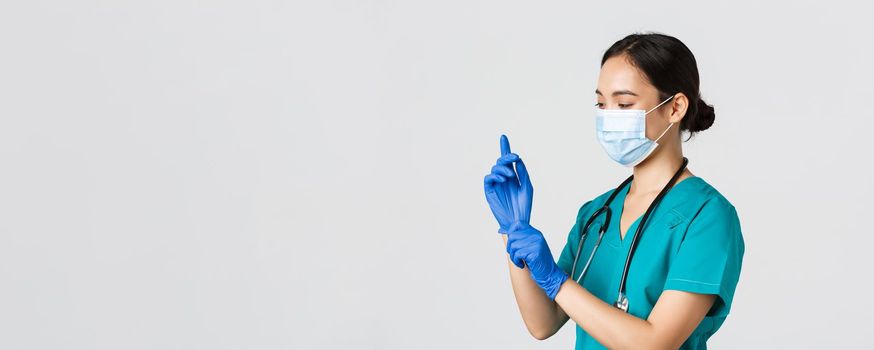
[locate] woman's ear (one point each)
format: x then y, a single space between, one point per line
679 105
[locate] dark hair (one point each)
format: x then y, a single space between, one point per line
671 68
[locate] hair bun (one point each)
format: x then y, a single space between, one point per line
704 117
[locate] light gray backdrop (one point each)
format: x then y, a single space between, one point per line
301 175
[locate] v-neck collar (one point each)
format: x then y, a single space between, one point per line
618 207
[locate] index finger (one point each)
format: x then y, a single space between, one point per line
505 145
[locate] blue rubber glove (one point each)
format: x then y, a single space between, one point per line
509 195
526 244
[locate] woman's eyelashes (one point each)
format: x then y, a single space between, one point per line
621 105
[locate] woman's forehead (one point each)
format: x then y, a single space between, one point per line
619 77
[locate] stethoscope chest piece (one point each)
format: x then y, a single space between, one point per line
621 302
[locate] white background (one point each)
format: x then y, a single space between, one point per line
298 175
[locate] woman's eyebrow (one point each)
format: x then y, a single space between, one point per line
619 92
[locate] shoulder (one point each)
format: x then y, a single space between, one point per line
709 213
697 197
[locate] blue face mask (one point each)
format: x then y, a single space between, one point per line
622 133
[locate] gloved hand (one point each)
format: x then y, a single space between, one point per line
509 196
526 244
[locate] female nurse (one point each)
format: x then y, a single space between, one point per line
686 262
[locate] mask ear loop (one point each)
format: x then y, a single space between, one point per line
660 104
669 126
663 133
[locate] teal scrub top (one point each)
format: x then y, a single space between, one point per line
692 242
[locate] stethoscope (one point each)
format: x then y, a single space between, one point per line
622 300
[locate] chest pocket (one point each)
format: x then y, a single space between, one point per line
675 218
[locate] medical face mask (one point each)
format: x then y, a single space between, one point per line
622 133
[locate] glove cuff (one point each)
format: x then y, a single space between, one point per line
556 279
522 227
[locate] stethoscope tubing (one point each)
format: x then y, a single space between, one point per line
622 300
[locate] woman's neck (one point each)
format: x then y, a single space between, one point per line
652 174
